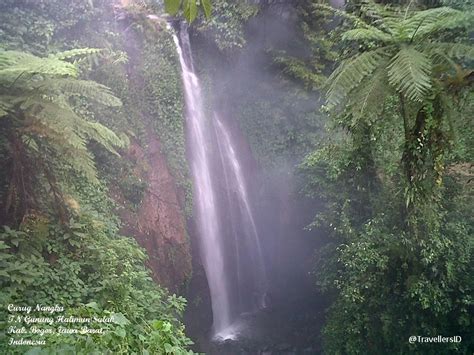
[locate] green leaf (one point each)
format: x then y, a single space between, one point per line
410 73
450 50
366 34
86 88
168 348
190 10
93 305
350 73
15 65
207 7
3 245
77 54
428 22
172 6
368 100
120 332
34 351
120 319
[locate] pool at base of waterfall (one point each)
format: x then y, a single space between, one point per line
232 332
269 332
243 327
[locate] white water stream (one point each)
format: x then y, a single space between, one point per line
234 264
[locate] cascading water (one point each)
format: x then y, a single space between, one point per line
230 247
231 163
211 245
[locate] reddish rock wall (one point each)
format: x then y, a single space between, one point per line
159 224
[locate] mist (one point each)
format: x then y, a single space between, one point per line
259 177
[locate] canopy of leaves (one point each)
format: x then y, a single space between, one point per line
61 244
399 241
35 95
407 45
189 8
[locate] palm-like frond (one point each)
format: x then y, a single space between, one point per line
104 136
39 103
410 73
426 22
449 50
59 128
14 64
67 133
405 37
368 101
367 34
86 88
77 54
350 73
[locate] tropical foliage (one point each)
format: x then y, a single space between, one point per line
39 120
60 241
399 252
189 8
85 84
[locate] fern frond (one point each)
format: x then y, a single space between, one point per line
86 88
368 101
409 72
68 133
34 94
300 70
356 20
371 9
104 136
426 22
367 34
14 64
45 119
350 73
78 54
450 50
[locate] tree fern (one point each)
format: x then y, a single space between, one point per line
14 64
425 23
78 54
410 73
449 50
350 74
367 34
35 104
406 41
106 137
405 55
368 102
376 13
85 88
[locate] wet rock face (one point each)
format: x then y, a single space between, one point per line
159 224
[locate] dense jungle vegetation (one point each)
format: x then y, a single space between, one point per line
370 107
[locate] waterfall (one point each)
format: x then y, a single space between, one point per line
211 245
231 162
230 248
